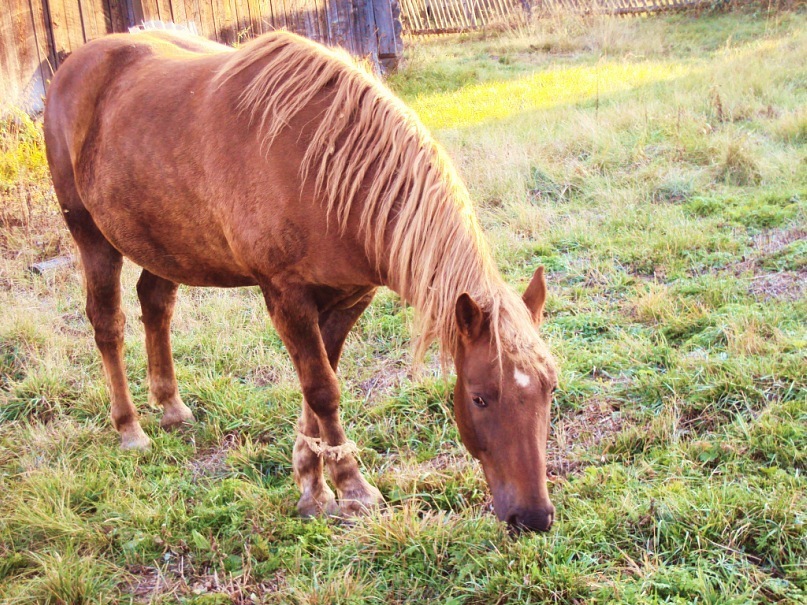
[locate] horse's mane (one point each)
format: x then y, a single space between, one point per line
415 205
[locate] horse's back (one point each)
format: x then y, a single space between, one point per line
144 138
81 81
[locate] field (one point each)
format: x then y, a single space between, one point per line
656 167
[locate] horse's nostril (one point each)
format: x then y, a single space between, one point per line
539 520
514 526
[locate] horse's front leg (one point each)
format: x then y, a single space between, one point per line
314 342
355 494
316 497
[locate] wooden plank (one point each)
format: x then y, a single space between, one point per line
307 22
456 14
73 24
244 21
214 24
231 11
268 12
238 19
325 24
255 21
178 11
103 17
406 16
164 11
335 25
192 13
227 22
133 11
311 18
387 41
56 29
293 17
117 16
10 77
468 9
279 8
322 21
90 11
441 12
40 22
267 15
21 57
151 11
207 20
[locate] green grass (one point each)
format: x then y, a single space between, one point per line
657 167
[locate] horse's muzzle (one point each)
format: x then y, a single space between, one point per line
531 520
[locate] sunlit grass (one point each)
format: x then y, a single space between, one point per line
491 101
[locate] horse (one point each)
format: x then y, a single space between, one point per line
288 166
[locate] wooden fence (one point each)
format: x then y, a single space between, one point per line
451 16
35 35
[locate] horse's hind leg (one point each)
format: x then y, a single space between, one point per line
157 298
102 267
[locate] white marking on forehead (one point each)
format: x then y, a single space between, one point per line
521 378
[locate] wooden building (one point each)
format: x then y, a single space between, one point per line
35 35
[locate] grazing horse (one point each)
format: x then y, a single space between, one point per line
285 165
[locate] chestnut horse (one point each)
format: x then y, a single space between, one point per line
285 165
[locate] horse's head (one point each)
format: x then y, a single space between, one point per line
502 409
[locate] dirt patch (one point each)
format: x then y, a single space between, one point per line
147 582
213 462
783 285
179 579
767 244
574 436
388 376
774 240
768 283
384 382
264 376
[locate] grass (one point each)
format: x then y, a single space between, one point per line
657 167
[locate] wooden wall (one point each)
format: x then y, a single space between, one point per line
363 27
25 62
35 35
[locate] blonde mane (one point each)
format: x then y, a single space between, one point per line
415 213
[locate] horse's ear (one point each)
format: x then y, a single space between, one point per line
535 295
469 317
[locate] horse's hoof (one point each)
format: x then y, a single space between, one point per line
176 415
360 501
133 438
324 505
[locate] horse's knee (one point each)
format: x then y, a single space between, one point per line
155 303
108 324
323 399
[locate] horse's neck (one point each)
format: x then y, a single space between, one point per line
438 274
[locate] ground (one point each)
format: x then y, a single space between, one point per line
656 167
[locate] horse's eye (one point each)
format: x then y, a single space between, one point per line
479 402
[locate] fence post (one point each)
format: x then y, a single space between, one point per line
387 16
